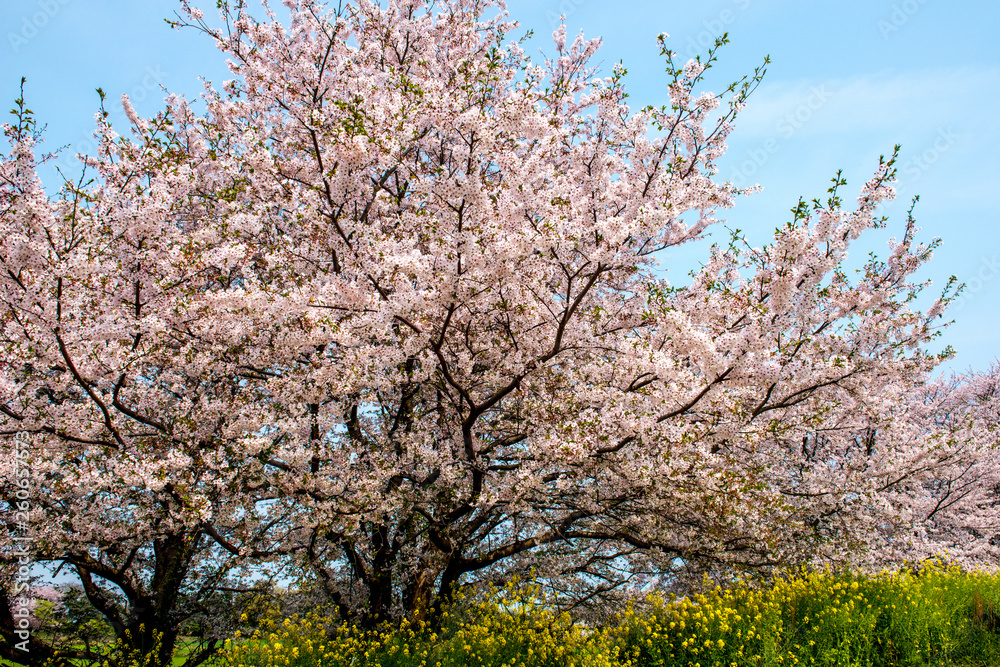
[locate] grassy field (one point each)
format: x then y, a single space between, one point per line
935 617
184 647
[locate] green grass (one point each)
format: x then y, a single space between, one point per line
181 653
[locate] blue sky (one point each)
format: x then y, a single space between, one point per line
848 80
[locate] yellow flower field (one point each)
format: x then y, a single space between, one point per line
934 616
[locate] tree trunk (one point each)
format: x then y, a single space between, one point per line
148 634
380 584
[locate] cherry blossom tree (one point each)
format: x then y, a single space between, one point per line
952 510
391 306
131 417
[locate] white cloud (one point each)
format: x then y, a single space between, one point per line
904 102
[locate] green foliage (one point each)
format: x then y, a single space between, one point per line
930 616
76 621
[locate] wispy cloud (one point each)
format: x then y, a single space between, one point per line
945 119
903 102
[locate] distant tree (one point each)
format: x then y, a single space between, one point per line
74 620
954 508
